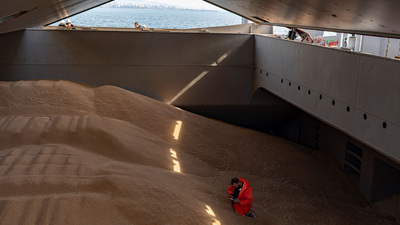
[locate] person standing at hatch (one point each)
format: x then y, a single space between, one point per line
139 26
241 195
69 25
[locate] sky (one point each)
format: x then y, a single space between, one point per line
189 4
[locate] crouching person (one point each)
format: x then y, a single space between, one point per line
241 196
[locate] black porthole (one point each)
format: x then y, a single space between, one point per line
290 84
298 88
260 71
348 109
267 74
384 124
309 92
365 116
281 80
320 97
333 102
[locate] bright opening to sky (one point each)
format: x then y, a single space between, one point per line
168 14
186 4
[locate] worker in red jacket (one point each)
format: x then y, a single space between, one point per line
241 196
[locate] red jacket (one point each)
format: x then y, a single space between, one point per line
245 197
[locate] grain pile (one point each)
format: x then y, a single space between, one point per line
73 154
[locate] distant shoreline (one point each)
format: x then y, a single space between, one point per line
163 7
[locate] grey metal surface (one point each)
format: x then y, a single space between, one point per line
373 17
21 14
181 68
353 92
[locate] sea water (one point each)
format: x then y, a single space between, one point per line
154 18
